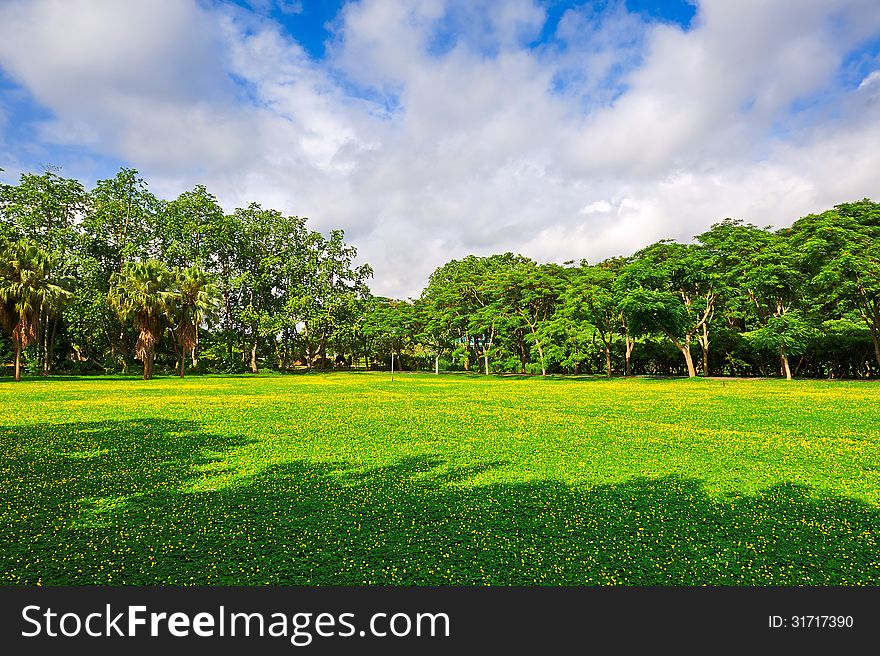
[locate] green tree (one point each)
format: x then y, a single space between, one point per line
46 209
468 293
433 326
223 240
186 227
259 257
142 294
787 333
119 228
775 284
122 220
194 300
389 325
671 289
332 290
589 303
840 252
29 291
528 296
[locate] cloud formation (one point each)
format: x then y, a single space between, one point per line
437 128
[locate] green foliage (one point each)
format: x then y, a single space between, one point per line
650 310
43 209
142 294
31 292
268 292
189 228
350 479
789 333
388 327
122 222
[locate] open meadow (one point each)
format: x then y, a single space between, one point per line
355 479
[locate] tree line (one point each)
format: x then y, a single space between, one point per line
102 279
94 280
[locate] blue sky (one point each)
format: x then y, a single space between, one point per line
431 129
311 23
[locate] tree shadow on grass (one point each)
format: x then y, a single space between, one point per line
133 516
54 478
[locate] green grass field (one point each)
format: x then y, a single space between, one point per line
358 479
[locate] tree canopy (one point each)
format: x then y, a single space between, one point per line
101 279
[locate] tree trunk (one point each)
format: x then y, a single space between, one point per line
195 359
783 356
874 338
541 355
42 359
228 322
704 346
437 364
685 348
148 366
688 359
322 350
489 348
307 343
182 363
630 343
123 348
608 360
254 356
50 353
17 362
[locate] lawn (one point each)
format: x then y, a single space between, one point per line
351 478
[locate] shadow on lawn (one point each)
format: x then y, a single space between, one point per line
97 503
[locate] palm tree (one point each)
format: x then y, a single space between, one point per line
141 293
28 291
196 299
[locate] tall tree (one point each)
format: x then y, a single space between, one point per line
224 240
186 226
528 296
120 228
389 325
193 301
259 257
775 284
590 302
122 220
333 287
840 252
46 209
469 294
434 327
671 289
142 293
28 293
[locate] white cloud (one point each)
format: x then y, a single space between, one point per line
872 79
599 206
431 131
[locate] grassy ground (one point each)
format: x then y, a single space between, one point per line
358 479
